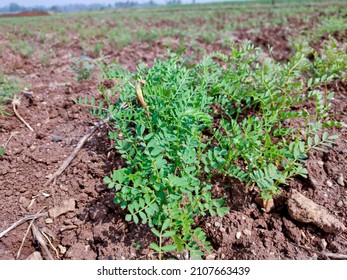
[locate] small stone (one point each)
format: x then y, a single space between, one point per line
313 182
46 194
323 244
217 224
62 249
339 203
238 235
8 192
340 180
34 256
23 200
329 183
49 221
208 224
64 187
320 163
222 229
266 205
247 232
211 257
57 138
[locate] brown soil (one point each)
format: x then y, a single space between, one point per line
26 14
96 228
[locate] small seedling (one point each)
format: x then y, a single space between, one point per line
83 68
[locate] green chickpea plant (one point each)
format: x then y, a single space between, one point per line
174 150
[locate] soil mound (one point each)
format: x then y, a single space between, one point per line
27 14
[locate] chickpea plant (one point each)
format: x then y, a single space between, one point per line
175 144
162 184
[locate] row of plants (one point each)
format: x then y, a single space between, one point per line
9 86
178 127
105 29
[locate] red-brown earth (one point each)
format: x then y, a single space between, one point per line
95 228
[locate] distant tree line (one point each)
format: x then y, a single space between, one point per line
14 7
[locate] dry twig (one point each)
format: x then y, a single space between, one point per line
75 151
325 254
26 233
15 102
50 243
13 133
39 237
22 220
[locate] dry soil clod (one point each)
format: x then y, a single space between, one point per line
305 210
66 206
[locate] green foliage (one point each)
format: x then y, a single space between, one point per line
161 185
83 68
330 25
8 87
170 160
227 116
22 47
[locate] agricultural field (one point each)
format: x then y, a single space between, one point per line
212 131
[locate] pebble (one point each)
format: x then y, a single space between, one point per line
217 224
340 180
314 256
208 224
314 182
339 203
22 200
8 193
49 221
62 249
329 183
238 235
57 138
222 229
211 257
320 163
35 256
247 232
323 244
